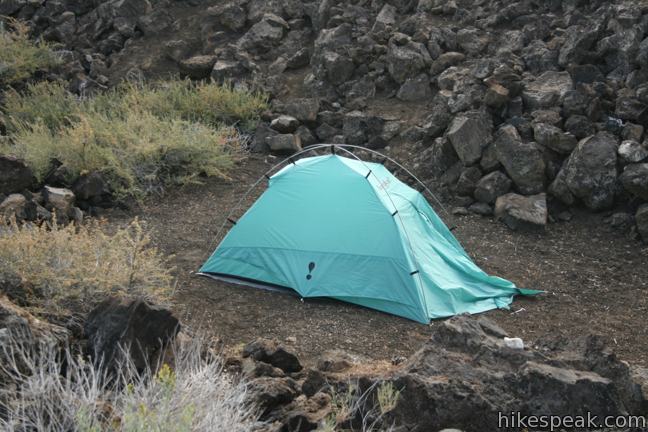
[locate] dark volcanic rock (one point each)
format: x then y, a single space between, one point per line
273 353
522 212
468 357
469 134
492 186
15 176
590 173
140 329
523 161
635 179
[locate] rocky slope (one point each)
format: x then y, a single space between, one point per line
522 108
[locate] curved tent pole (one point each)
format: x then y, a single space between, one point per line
416 271
317 147
255 184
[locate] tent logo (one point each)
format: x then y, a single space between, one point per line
311 267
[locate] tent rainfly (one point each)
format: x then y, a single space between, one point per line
333 226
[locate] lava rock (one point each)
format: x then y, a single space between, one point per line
15 176
469 134
415 89
522 212
554 138
284 143
284 124
635 179
491 186
274 354
590 173
198 67
59 200
547 90
522 161
632 152
133 327
468 180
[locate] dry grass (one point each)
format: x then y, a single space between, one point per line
20 57
82 265
65 393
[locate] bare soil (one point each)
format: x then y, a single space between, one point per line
595 278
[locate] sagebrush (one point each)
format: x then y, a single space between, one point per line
82 265
143 137
66 393
21 57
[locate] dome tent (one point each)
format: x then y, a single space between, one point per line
339 227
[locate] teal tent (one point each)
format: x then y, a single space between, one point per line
333 226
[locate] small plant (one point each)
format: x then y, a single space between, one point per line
342 403
85 263
20 57
387 396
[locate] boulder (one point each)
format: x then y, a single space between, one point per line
133 327
641 218
635 179
446 60
546 90
270 392
18 208
303 109
59 200
230 15
554 138
273 353
284 143
15 176
522 161
284 124
578 41
406 60
590 173
415 89
491 186
632 152
469 134
522 212
264 34
465 377
92 188
198 67
363 129
339 68
468 180
385 20
224 70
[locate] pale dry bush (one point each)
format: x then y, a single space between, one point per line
85 263
63 392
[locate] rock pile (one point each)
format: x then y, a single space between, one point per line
462 377
551 96
56 195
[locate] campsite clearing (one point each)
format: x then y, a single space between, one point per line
596 281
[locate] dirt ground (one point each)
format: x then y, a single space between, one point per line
595 278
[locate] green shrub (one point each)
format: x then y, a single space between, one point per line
207 103
84 264
46 102
139 154
144 137
20 57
